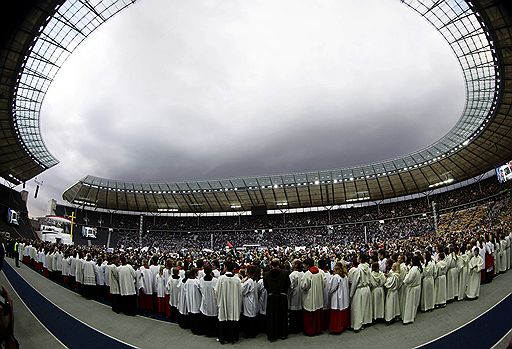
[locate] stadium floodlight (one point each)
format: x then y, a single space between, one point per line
359 199
236 206
84 203
284 203
317 182
448 181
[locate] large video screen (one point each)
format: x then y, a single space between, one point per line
504 172
12 217
89 233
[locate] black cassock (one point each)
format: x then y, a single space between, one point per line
277 282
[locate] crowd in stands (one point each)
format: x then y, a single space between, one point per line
307 236
469 194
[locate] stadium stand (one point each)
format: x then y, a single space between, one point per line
461 209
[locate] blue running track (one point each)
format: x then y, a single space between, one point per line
70 331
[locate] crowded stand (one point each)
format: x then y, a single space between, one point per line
306 236
479 192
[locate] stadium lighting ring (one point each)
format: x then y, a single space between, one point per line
458 21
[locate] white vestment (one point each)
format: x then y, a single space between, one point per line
127 280
412 282
440 282
58 261
89 273
392 308
65 267
327 299
262 297
312 287
503 256
361 305
428 298
377 281
79 272
174 291
113 276
452 278
145 280
100 277
192 295
294 292
250 298
473 289
404 269
208 300
72 266
229 297
155 269
339 292
160 285
462 266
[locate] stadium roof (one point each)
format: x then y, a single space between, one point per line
37 39
479 33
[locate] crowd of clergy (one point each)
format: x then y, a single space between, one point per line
279 291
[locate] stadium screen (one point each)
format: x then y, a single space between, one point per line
89 233
12 217
504 172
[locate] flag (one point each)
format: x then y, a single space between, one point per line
230 245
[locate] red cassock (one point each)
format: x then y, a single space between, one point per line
313 322
340 320
145 301
161 305
489 261
167 306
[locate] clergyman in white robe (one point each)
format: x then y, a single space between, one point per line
229 299
475 263
412 282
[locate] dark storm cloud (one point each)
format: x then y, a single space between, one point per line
211 89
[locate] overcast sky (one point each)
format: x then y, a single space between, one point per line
205 89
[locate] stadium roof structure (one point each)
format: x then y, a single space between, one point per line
479 33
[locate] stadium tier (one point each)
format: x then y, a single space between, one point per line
460 209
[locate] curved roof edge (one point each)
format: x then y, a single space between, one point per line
44 34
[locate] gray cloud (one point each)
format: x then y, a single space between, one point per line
170 91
